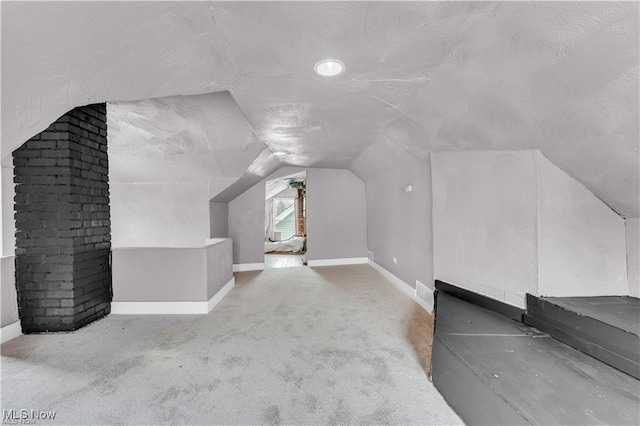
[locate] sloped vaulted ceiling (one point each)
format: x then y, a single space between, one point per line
181 138
420 77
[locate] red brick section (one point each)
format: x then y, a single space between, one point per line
63 229
300 219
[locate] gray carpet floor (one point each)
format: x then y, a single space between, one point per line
331 345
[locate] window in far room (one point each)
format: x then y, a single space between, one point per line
284 218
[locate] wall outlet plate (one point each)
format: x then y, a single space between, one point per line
395 260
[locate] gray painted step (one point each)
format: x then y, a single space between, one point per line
605 327
494 370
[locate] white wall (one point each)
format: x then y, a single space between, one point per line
246 225
8 222
171 274
399 223
582 243
633 255
159 274
8 297
510 223
484 222
2 202
219 219
219 265
336 215
167 214
9 305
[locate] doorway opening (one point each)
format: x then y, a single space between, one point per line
285 221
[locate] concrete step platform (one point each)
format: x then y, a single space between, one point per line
493 369
605 327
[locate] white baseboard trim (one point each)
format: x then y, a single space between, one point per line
426 301
426 306
221 294
243 267
10 331
337 262
170 308
402 286
158 308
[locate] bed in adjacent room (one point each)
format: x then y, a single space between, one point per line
294 244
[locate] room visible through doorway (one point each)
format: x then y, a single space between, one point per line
285 221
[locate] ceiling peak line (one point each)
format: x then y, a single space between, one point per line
418 125
253 130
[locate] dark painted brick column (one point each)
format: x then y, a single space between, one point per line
63 229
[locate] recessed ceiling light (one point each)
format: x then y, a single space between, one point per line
329 67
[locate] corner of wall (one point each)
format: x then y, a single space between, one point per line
484 207
580 238
400 223
431 284
8 294
246 224
7 221
632 235
538 160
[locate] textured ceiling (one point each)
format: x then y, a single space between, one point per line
561 77
181 138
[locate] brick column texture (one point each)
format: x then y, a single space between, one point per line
63 229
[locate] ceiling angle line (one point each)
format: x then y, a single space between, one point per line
386 103
403 114
246 119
